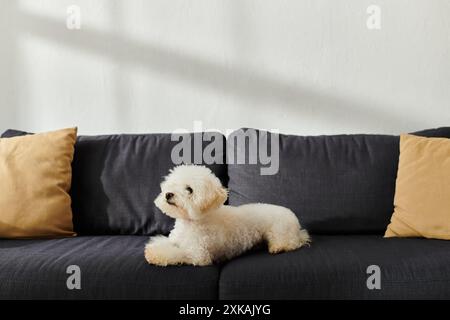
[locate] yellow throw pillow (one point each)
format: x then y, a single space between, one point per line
35 178
422 194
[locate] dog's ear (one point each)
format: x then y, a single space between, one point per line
217 199
222 196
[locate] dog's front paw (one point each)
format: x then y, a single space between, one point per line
154 254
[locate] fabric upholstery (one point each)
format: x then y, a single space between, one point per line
116 179
342 184
112 267
335 267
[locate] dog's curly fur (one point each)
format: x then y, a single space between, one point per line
207 231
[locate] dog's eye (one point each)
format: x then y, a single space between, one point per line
189 189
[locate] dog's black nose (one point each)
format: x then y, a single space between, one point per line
169 195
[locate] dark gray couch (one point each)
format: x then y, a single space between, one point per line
341 187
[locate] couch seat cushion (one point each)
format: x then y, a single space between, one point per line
112 267
334 267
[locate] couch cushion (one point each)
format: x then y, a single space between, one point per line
334 267
422 191
117 177
335 184
112 267
35 178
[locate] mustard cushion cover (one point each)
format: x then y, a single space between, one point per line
422 195
35 178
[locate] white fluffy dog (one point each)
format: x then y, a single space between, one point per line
207 231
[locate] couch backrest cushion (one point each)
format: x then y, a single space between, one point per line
117 177
335 184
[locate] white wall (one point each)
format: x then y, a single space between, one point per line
300 66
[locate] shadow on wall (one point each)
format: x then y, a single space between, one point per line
10 90
303 102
